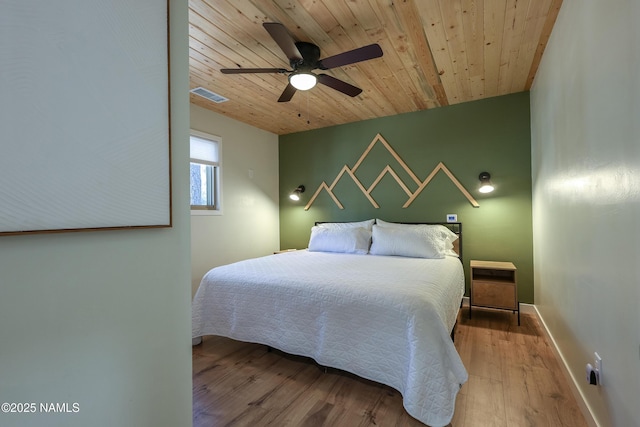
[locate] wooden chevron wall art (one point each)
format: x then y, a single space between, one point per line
388 170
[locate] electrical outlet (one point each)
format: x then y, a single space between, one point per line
591 376
598 361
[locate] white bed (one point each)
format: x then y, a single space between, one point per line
385 318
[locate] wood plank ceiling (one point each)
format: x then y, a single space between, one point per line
436 53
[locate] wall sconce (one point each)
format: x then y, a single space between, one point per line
295 195
485 183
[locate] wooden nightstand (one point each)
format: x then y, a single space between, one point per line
494 285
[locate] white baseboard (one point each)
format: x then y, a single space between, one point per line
571 379
573 382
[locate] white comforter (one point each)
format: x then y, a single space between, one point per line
387 319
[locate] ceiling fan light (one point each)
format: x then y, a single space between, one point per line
303 81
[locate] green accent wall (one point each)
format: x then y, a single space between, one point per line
490 135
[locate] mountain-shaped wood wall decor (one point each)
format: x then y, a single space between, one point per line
388 170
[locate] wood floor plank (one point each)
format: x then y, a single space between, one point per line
485 404
461 407
304 403
514 380
522 398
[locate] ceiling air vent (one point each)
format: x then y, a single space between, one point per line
211 96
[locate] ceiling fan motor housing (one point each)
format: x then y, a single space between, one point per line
310 57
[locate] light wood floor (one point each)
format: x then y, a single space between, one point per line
514 380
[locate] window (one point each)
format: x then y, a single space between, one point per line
205 173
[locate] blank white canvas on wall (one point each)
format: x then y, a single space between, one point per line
101 158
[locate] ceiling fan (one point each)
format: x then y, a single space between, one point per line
304 57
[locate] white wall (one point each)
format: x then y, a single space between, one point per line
103 318
585 107
249 226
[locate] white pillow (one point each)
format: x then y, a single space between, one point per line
442 237
367 224
405 241
449 237
350 240
440 231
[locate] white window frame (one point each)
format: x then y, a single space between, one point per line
218 171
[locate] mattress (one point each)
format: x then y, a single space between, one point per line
384 318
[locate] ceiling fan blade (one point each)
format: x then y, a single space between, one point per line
288 93
351 57
252 70
279 33
339 85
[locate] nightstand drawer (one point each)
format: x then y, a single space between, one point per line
494 294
